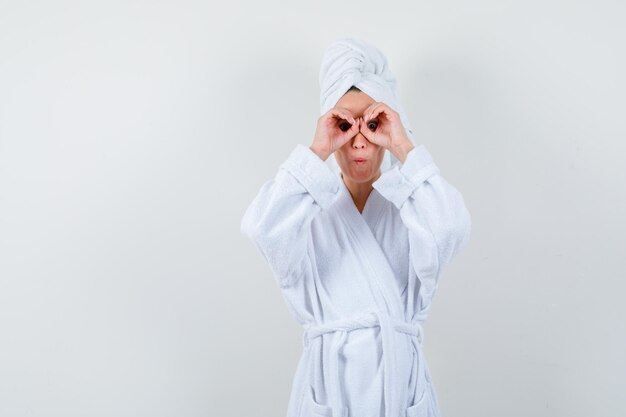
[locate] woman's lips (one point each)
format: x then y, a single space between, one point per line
360 161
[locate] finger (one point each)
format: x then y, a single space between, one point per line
368 110
381 107
348 134
356 126
344 136
372 136
341 124
346 111
374 111
354 129
370 126
334 112
343 113
344 116
365 131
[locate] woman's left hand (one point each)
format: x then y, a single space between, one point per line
382 125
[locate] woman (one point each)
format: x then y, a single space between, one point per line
357 253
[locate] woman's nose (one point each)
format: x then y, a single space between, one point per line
359 141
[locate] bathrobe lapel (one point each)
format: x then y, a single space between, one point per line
382 275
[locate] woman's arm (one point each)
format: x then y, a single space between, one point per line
279 218
430 207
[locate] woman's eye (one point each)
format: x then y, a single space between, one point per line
345 126
372 125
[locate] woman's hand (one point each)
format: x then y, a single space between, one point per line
334 128
382 125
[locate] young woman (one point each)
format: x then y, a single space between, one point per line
357 255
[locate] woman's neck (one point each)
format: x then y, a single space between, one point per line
359 191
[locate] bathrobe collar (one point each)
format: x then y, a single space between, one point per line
388 298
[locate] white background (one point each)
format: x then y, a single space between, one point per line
134 134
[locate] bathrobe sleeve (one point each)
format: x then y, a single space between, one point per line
432 209
279 218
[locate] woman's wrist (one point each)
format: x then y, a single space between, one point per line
323 155
401 150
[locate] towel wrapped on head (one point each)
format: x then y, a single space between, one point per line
351 62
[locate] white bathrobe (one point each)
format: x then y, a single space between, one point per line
360 284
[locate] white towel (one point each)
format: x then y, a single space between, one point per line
352 61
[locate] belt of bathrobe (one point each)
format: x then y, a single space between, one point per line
370 319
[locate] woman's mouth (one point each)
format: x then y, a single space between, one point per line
360 161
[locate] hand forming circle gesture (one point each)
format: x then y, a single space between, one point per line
382 126
331 134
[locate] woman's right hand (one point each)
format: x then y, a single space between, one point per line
334 128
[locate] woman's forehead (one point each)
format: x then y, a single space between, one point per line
355 101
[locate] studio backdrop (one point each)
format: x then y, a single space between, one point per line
133 135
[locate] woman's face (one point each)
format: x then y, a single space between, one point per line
358 146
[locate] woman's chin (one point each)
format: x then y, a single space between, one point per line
359 174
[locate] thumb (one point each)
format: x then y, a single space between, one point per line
365 131
350 133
